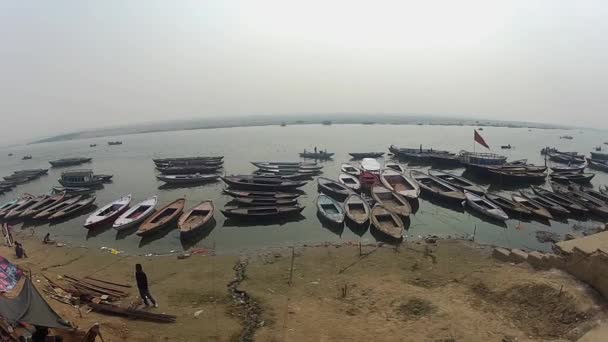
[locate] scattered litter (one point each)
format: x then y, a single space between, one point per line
198 313
183 256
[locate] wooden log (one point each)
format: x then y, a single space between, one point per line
133 313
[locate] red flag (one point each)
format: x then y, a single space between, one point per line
480 140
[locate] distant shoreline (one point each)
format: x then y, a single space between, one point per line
278 121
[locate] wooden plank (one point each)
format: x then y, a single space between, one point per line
133 313
108 282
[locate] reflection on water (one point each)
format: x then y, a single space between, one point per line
134 172
336 228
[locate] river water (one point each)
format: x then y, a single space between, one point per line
133 169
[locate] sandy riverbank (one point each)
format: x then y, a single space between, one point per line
449 291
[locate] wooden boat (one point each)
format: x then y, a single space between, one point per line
72 209
255 213
23 206
598 195
185 159
261 202
399 183
261 183
357 210
307 172
458 182
351 170
48 202
485 206
524 168
600 165
508 204
260 194
553 207
517 176
195 218
32 171
184 170
387 222
8 206
370 165
316 155
333 188
19 179
195 163
57 207
581 178
288 176
444 159
566 158
394 167
295 164
71 191
560 199
569 168
137 214
361 155
594 205
79 178
108 213
533 206
276 165
69 161
330 209
391 200
162 218
187 179
436 187
350 181
599 156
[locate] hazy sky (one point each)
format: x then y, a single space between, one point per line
71 65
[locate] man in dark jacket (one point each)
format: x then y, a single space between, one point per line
142 285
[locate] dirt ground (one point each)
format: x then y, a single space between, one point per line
452 291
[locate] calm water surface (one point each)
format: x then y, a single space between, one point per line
133 169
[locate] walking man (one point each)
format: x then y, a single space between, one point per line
142 285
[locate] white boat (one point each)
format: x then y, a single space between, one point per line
370 165
350 181
137 214
400 183
485 206
350 169
109 212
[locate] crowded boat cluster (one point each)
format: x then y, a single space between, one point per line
20 177
368 191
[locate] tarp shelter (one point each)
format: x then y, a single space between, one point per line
29 307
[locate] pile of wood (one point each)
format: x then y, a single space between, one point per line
100 295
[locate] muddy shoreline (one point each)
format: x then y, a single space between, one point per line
434 290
